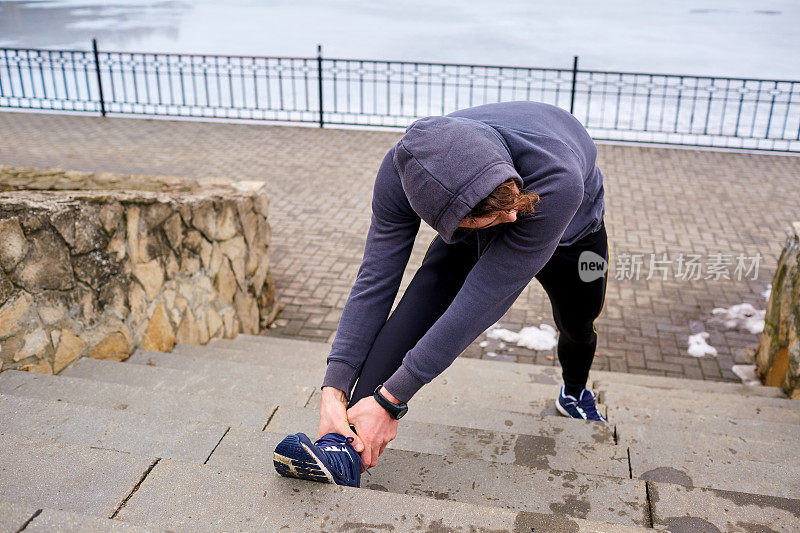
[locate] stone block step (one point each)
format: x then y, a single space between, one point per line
438 395
188 497
66 476
477 417
228 369
282 354
14 516
640 425
687 408
780 410
467 480
691 510
472 389
183 406
112 429
505 371
279 391
676 442
718 470
533 451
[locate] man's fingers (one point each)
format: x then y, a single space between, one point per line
357 443
366 456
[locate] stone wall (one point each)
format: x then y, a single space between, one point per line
778 357
98 265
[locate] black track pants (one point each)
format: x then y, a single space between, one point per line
575 303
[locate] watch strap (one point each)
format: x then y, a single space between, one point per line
395 410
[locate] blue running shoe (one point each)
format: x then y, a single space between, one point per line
331 459
583 407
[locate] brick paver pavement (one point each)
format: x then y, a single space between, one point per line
320 183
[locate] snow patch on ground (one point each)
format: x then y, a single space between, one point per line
740 316
747 373
541 338
766 292
698 347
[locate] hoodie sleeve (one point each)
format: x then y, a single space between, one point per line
504 269
390 239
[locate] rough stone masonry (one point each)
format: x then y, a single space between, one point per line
100 264
778 356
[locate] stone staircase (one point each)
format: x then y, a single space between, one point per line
183 441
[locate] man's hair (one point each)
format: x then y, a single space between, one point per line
505 197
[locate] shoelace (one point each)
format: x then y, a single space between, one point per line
588 405
337 438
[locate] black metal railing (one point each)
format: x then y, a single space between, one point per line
629 106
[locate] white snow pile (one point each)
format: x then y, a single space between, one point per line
747 373
766 292
541 338
740 316
698 347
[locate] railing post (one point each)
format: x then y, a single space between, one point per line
319 83
574 79
99 82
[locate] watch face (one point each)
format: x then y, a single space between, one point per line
401 413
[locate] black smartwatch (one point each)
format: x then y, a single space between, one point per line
396 410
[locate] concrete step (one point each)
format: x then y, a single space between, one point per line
273 390
786 411
179 496
183 406
533 451
524 371
67 476
467 480
183 496
672 442
16 517
473 389
719 470
283 354
691 510
628 421
111 429
477 417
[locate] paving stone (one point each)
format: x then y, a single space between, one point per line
464 479
277 391
718 470
184 406
112 429
66 476
628 420
315 256
533 451
183 497
691 510
720 407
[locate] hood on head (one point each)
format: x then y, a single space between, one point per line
449 164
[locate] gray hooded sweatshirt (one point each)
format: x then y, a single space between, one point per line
437 172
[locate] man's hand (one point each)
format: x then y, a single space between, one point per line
374 425
333 416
